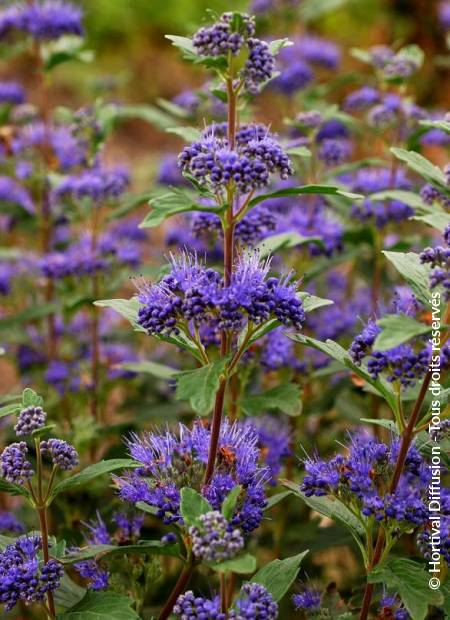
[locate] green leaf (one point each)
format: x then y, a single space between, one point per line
90 473
189 134
30 314
412 53
6 540
328 507
172 203
183 43
150 114
242 565
101 606
69 593
9 409
335 510
277 45
439 220
199 386
31 399
397 329
273 500
98 551
443 125
278 576
411 581
417 275
272 244
229 503
13 489
64 49
422 166
127 308
284 397
160 371
312 302
299 151
306 189
193 505
409 198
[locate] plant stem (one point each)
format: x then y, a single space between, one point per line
223 593
225 340
95 345
178 589
407 437
42 512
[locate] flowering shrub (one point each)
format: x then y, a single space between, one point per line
258 427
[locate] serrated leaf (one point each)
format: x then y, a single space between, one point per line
31 399
101 606
127 308
229 503
411 581
13 489
299 151
409 198
199 386
242 565
69 593
278 576
193 505
417 275
273 500
397 329
284 397
441 124
91 473
439 220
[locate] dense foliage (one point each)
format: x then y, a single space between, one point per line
244 415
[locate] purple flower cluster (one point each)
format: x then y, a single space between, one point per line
357 479
12 193
213 540
226 35
64 147
22 576
11 92
274 437
215 165
14 465
308 601
62 454
297 63
190 606
167 462
98 184
10 524
259 67
128 531
42 19
29 420
438 258
254 226
254 603
192 293
372 180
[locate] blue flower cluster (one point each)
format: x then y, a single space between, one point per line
213 540
62 454
14 464
29 420
309 601
193 293
215 165
438 258
358 478
11 93
254 603
42 19
22 576
10 524
167 462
